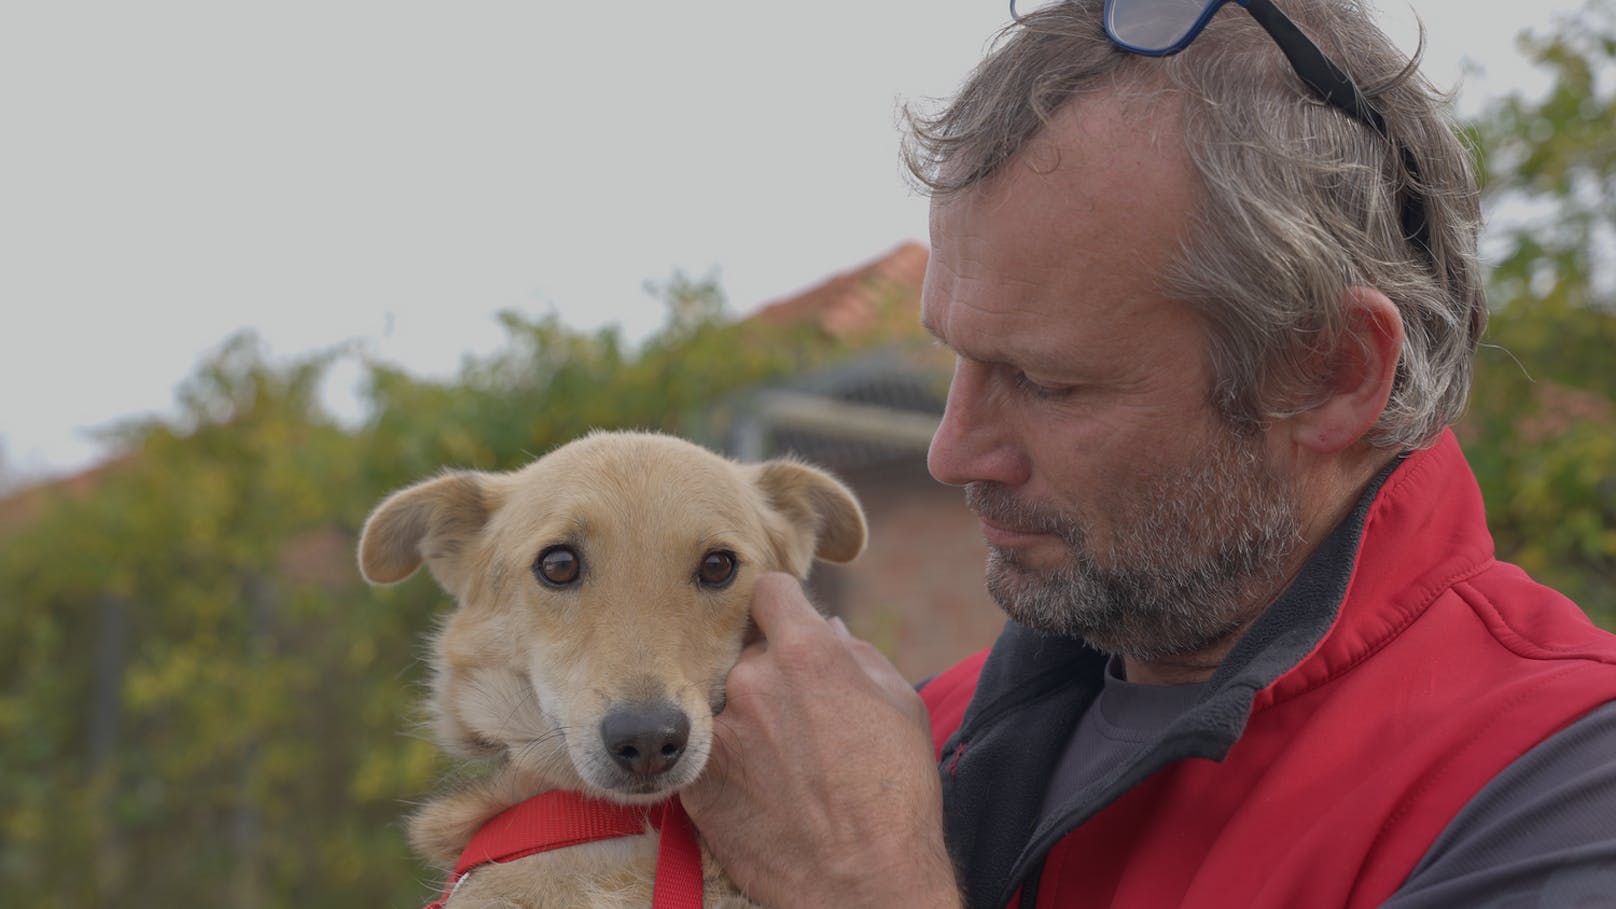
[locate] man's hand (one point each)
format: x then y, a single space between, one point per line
822 788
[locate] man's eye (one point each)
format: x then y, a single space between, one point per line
1038 391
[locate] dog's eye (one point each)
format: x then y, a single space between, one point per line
558 566
717 569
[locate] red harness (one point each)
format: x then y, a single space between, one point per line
557 819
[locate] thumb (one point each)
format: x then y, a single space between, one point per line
782 611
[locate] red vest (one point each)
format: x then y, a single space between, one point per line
1439 668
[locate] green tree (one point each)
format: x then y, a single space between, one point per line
1542 426
164 602
201 703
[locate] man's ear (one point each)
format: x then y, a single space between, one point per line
434 521
1356 377
810 515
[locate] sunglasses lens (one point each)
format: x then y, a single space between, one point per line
1154 26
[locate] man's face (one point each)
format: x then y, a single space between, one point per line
1118 506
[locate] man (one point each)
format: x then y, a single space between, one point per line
1209 333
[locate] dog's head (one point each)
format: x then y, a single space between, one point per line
603 597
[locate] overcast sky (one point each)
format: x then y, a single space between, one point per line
393 174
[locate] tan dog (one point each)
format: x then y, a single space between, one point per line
603 597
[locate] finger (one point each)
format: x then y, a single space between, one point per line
840 627
781 610
868 656
877 667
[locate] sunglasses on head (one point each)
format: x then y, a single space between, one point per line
1160 28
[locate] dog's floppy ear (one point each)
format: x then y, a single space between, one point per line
433 521
814 515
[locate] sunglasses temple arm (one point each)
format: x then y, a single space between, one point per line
1338 89
1317 70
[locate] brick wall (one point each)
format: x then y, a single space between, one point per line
917 591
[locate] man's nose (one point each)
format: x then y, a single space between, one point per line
975 440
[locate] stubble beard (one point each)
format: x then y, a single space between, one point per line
1193 556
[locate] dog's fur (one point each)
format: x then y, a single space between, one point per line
524 674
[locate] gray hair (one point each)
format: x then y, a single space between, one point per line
1298 201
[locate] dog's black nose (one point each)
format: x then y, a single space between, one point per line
646 740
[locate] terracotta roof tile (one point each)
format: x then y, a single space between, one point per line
850 303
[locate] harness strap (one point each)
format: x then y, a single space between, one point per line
558 819
678 861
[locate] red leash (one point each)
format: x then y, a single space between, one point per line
557 819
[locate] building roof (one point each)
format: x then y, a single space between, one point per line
879 407
853 301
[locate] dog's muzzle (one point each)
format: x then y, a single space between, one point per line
646 740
